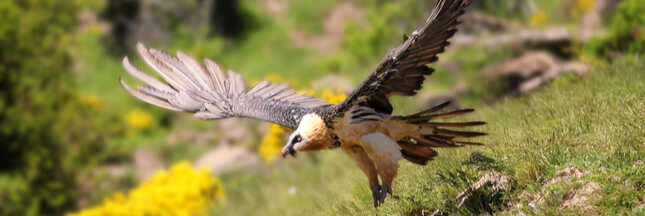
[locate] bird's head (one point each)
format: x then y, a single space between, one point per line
312 134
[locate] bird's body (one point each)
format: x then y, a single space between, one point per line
362 125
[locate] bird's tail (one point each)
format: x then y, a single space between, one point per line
416 144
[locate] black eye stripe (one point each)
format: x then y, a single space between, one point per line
298 138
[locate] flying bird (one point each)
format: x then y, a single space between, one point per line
362 125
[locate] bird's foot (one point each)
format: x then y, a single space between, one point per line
385 189
379 193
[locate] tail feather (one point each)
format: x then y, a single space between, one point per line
417 153
451 133
440 116
417 147
453 124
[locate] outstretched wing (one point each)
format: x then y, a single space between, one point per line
402 71
212 94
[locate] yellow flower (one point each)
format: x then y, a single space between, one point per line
581 7
139 119
333 97
96 29
90 100
180 191
539 18
271 145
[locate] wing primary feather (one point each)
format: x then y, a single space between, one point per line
155 92
146 78
158 67
147 98
198 71
240 83
177 67
258 87
217 73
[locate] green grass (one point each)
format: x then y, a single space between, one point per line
588 123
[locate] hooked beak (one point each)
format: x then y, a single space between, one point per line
288 149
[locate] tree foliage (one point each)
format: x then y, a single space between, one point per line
44 122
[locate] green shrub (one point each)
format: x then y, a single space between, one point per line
626 33
47 131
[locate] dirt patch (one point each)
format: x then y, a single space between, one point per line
276 8
225 158
564 174
640 207
579 197
333 24
486 192
146 163
582 197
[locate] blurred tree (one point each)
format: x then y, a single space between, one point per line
626 33
161 21
510 9
45 133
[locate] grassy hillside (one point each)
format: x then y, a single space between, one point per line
594 124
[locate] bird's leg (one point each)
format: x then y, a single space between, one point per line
367 166
376 195
386 155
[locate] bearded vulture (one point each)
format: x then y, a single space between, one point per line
362 125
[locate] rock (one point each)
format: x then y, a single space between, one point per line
236 129
524 73
225 158
146 163
490 185
582 197
190 136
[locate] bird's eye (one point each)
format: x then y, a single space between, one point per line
298 138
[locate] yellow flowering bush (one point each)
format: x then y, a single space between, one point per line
538 18
138 120
581 7
181 191
333 97
271 145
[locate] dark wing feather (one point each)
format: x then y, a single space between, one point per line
211 93
402 71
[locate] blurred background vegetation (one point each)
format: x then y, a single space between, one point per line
72 139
